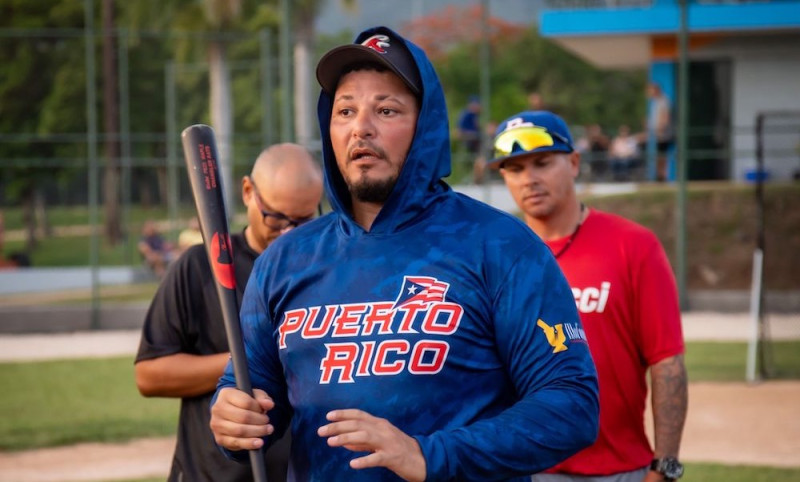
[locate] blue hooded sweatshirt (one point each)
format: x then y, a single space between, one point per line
448 318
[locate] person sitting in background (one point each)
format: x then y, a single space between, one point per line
16 259
155 250
190 236
623 153
5 263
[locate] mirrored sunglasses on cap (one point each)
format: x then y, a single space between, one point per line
526 139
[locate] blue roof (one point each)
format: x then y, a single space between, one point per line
664 17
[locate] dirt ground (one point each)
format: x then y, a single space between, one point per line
731 423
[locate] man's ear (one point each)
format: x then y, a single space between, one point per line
247 190
575 163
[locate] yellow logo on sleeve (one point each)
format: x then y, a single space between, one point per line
555 335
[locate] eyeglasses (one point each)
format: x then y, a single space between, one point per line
273 219
525 139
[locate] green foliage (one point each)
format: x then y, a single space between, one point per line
46 75
41 87
580 92
720 214
71 401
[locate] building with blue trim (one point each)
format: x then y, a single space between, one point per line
744 60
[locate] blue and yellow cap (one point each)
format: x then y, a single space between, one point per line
527 132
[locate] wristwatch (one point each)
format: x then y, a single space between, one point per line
669 467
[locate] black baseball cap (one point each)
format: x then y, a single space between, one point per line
380 45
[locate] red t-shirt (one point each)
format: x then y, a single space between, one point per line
626 295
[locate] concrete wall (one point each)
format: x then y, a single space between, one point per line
765 76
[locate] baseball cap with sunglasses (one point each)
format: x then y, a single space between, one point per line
528 132
274 219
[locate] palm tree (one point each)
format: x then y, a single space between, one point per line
305 11
113 225
217 16
222 15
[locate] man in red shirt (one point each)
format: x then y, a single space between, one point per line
625 292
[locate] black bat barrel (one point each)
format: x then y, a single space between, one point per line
202 166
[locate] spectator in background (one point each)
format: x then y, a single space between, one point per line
623 153
469 133
659 126
598 151
156 251
190 236
582 142
5 263
535 101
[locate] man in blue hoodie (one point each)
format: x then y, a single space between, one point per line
412 333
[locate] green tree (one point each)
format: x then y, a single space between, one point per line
111 173
521 61
304 14
42 78
218 18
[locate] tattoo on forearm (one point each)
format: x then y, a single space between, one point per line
670 402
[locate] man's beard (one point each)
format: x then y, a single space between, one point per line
372 191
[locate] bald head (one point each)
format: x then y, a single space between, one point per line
288 165
285 181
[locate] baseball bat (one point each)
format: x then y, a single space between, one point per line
202 165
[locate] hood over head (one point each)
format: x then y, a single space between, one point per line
428 159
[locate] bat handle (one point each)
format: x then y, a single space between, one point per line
257 464
240 371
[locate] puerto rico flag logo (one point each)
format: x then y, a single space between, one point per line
378 43
421 289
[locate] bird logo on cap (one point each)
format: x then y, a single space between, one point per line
378 43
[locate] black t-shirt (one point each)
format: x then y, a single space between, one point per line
185 317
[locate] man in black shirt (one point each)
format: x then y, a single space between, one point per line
184 350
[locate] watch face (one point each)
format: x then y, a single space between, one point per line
669 467
672 469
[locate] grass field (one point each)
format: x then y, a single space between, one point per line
70 401
725 362
696 472
69 244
